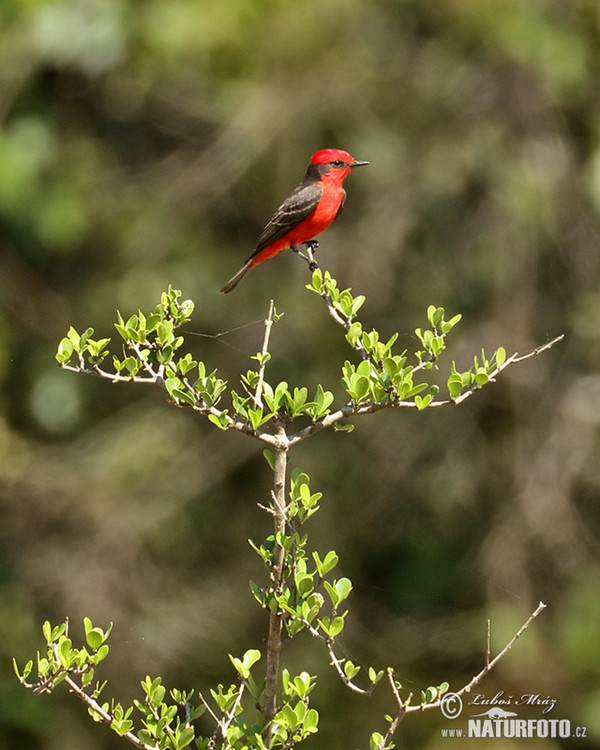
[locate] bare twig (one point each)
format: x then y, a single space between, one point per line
404 706
401 711
335 662
263 359
512 360
339 669
489 665
208 707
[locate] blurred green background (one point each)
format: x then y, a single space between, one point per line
146 143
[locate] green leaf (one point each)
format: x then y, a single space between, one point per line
354 333
311 721
74 338
324 566
101 653
317 280
435 315
286 717
375 676
220 420
423 402
339 591
481 377
304 584
358 388
65 651
415 389
443 688
244 665
269 458
428 695
94 636
183 737
47 631
122 727
321 403
449 324
331 627
65 351
455 383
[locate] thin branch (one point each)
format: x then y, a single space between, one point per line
263 360
401 711
339 669
114 377
335 662
512 360
207 706
104 715
231 715
274 441
489 665
355 410
404 706
275 640
340 319
159 375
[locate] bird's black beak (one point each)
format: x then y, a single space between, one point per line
358 164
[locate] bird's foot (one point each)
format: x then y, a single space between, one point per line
311 246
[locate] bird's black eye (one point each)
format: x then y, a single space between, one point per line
338 163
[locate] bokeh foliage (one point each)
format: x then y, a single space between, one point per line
146 143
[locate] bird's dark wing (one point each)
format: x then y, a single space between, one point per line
341 208
295 208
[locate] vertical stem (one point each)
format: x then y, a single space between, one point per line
265 350
274 641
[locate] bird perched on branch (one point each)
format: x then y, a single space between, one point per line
306 212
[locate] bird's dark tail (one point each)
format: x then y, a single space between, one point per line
235 280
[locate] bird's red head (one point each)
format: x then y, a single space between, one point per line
332 165
329 155
336 158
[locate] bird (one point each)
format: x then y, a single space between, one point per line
306 212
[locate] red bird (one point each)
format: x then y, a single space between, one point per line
308 211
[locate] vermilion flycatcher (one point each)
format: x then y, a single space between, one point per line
308 211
